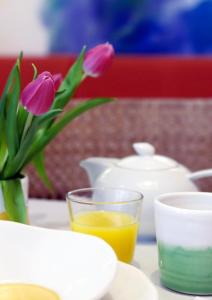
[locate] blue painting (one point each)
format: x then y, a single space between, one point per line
132 26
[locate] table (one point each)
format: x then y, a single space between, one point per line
54 214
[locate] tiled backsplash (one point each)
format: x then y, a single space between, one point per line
181 129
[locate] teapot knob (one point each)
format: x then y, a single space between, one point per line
144 149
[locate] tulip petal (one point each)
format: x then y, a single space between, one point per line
43 98
30 90
38 95
57 80
45 75
98 59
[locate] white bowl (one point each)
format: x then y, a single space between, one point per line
74 265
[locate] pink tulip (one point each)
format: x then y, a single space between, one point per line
98 59
57 80
38 96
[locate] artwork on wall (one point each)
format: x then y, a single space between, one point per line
133 26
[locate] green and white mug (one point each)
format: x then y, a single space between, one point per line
184 237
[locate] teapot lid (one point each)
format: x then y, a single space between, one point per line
146 159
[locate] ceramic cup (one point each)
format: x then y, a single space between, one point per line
184 237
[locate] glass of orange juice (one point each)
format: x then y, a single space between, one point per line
112 214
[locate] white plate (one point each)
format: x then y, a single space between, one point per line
76 266
131 284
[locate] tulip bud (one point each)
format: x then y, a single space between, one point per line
38 96
57 80
98 59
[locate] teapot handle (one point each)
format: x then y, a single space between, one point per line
200 174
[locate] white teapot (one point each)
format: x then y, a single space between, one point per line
146 172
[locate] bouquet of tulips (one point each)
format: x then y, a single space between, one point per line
30 119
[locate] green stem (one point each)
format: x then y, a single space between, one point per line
27 125
14 200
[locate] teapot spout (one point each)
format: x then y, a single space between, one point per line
200 174
95 166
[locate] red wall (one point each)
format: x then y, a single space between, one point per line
132 76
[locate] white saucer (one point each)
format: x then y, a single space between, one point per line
131 284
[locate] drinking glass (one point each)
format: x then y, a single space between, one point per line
112 214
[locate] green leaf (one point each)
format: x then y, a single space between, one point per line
20 57
39 164
4 97
14 201
60 92
75 112
3 105
10 80
3 150
73 77
66 119
27 126
21 120
6 137
17 163
11 116
71 82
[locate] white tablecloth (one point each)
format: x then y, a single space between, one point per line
54 214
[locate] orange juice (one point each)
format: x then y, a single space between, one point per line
117 229
3 216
